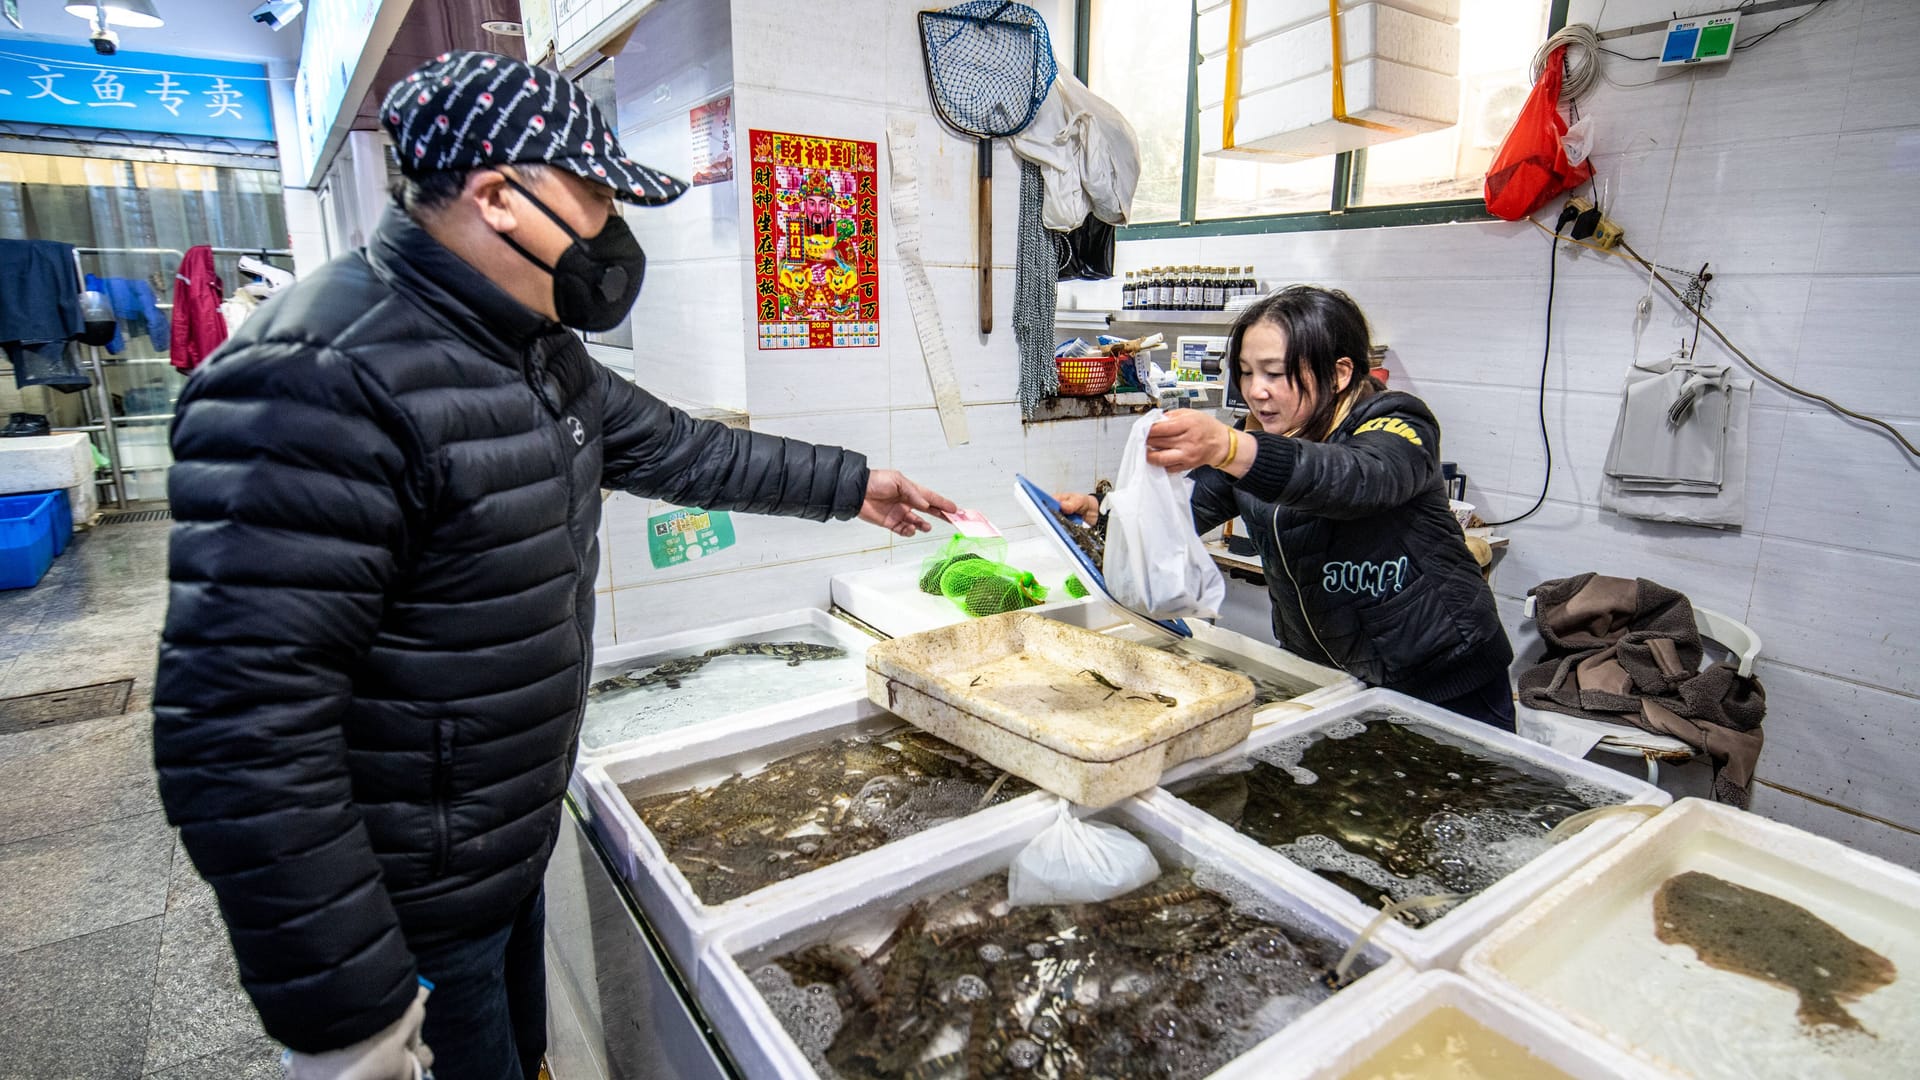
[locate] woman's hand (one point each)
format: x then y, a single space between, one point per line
1188 439
1084 507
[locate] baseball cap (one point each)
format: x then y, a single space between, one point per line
468 110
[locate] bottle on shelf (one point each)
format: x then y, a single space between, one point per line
1216 289
1249 285
1148 295
1126 293
1189 288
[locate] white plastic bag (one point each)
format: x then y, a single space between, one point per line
1079 862
1155 562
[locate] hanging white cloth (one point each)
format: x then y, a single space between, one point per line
1679 449
1088 155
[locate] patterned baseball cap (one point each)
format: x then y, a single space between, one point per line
467 110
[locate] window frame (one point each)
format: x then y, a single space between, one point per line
1348 168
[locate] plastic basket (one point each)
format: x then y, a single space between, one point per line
26 540
1087 376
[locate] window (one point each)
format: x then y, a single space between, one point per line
1434 176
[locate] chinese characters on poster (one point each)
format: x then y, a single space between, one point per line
816 241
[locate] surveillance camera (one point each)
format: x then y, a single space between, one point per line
278 13
105 41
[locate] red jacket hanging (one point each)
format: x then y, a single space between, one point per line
198 328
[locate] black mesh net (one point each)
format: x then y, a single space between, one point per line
989 65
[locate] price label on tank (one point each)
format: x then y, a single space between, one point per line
687 535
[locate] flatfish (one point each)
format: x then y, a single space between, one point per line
1749 932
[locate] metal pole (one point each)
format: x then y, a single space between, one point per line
113 436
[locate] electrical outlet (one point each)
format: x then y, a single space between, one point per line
1594 228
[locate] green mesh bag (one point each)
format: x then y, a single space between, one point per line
1074 588
956 550
984 587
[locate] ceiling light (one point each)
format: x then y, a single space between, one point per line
132 14
504 29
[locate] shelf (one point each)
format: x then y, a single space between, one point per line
1150 317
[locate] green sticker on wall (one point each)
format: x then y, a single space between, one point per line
687 535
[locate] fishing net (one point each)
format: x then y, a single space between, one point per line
982 587
1075 588
1036 283
989 64
959 549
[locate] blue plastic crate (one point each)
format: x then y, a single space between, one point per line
26 539
62 523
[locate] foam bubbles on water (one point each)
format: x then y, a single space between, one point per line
1317 852
1023 1053
969 988
811 1016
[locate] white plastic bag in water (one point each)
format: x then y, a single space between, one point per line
1155 562
1079 862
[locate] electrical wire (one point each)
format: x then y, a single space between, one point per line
1626 253
1546 353
1595 45
1701 318
1582 66
1777 27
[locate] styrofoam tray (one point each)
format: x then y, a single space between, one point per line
888 598
698 757
1334 1053
1331 684
761 1047
1441 943
839 630
1668 1008
1026 693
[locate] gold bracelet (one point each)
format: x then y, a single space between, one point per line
1233 447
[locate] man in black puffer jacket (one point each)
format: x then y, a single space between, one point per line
387 496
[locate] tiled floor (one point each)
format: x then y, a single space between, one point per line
113 959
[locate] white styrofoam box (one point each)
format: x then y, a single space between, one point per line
1440 943
763 1049
45 462
1267 17
888 598
1370 32
1586 951
1333 1053
1296 119
1330 684
84 499
855 642
699 757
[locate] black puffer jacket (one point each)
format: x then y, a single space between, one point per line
387 496
1365 564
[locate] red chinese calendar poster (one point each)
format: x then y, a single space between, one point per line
816 241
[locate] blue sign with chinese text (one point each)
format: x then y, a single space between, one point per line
43 82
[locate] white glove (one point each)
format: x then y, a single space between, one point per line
393 1054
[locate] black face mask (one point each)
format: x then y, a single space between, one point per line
598 277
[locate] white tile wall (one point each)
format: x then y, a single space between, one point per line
1899 846
695 331
1841 741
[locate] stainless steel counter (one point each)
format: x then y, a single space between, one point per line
616 1008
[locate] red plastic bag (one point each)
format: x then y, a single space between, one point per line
1532 166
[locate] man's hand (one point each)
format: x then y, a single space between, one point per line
393 1054
1188 439
1075 504
892 500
